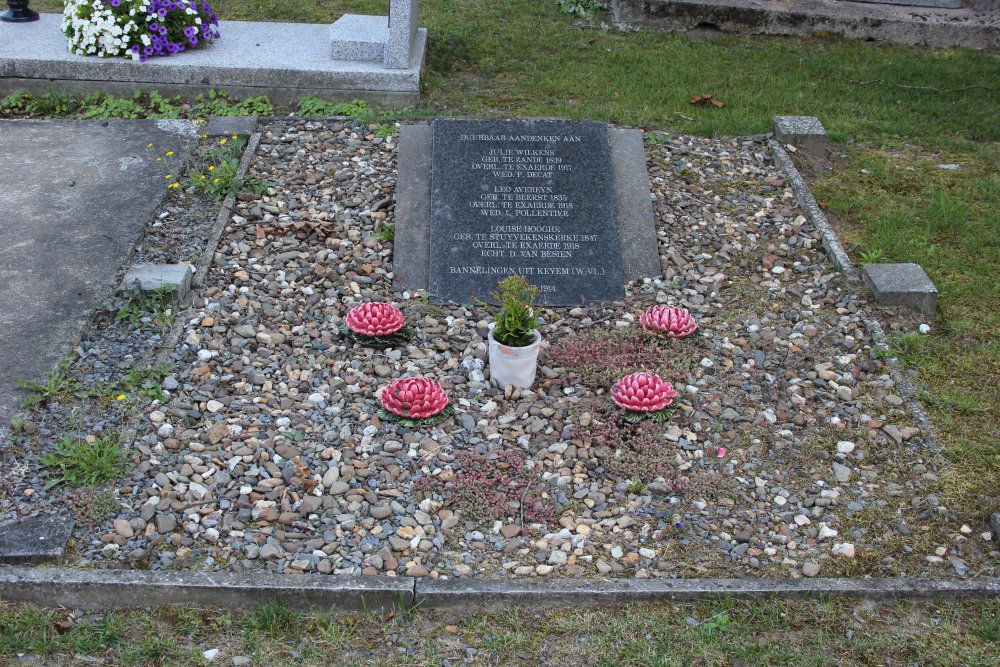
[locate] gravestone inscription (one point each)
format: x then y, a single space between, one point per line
528 197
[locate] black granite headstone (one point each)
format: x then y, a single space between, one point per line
528 197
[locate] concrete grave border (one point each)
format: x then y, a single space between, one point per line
837 253
123 589
116 588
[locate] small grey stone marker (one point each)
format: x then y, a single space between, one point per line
806 133
151 277
995 526
905 285
227 126
37 539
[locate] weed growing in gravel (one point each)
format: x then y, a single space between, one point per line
218 174
92 506
587 9
59 385
45 105
497 485
146 382
16 426
109 106
635 487
86 461
310 105
387 232
220 103
603 356
138 307
640 451
139 105
872 256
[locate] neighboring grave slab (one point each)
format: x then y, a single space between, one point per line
225 126
37 539
529 197
904 285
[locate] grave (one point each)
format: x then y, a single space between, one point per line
565 204
76 196
935 23
35 539
375 58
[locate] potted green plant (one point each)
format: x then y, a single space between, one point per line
514 339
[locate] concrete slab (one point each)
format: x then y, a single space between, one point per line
151 277
225 126
905 285
924 26
633 207
284 61
125 589
36 539
411 260
75 195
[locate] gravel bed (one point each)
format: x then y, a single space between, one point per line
790 454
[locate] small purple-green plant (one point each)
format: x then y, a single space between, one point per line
497 486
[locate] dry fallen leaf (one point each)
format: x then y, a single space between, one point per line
62 626
708 98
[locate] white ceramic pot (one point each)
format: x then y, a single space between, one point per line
514 365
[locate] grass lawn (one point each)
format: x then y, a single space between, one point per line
894 113
721 632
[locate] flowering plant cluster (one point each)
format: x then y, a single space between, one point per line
137 29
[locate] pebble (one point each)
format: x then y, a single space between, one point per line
845 549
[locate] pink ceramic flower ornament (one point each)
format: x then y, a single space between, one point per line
642 392
375 319
670 321
414 398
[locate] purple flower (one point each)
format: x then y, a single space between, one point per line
154 27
